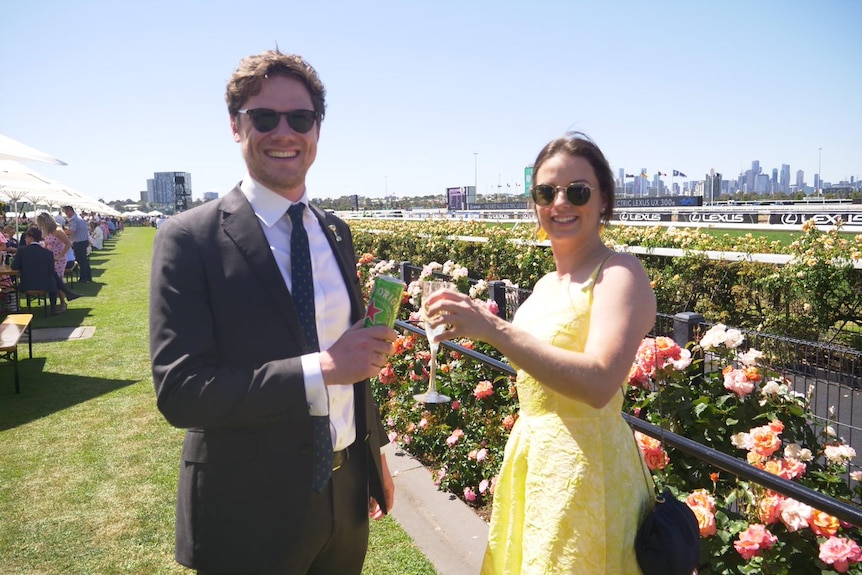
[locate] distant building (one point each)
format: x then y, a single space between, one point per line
800 179
171 189
209 196
784 179
712 187
761 184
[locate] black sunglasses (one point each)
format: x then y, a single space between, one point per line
577 194
266 120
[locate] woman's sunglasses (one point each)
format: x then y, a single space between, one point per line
577 194
265 120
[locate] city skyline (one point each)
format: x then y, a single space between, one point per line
425 97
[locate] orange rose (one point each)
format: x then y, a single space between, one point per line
705 520
765 439
823 524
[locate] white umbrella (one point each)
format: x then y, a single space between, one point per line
14 150
17 182
155 213
20 183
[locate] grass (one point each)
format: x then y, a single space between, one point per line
88 467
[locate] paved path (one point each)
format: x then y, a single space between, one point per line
444 528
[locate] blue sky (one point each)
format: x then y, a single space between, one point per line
428 95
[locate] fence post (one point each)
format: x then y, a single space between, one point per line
497 294
406 272
684 326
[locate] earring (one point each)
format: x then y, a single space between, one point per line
541 234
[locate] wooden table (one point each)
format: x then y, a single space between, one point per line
11 330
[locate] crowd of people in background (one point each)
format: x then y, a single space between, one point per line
49 245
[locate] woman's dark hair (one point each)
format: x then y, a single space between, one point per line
578 144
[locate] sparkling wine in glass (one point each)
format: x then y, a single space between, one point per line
432 395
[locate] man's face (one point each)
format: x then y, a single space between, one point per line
68 213
278 159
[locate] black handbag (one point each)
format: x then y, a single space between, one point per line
668 539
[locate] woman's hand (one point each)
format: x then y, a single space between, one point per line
462 316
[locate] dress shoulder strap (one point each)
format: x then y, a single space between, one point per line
600 266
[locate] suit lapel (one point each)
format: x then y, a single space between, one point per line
241 225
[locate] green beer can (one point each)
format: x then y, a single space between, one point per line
385 301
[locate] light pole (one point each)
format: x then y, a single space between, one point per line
475 171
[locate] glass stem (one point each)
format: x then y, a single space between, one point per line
432 368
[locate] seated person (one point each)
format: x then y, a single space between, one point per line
97 236
11 242
70 259
35 265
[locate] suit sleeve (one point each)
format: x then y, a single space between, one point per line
210 369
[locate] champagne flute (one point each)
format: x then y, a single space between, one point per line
433 334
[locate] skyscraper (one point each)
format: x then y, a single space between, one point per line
784 180
800 179
712 187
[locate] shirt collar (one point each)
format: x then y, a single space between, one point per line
268 206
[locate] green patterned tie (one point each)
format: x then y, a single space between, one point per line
303 299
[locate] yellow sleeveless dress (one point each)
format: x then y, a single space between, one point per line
571 490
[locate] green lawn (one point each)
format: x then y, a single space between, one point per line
88 467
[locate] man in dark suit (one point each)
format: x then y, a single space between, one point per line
235 363
35 265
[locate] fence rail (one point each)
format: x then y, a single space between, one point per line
831 376
843 511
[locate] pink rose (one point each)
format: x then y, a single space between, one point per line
654 454
387 375
469 494
753 540
483 389
509 422
736 381
769 508
481 455
456 405
453 439
840 553
484 485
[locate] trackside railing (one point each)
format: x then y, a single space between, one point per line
843 511
830 375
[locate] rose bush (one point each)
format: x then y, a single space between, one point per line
710 391
722 397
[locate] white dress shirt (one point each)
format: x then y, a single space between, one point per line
331 302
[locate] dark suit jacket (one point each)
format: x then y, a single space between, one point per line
225 342
36 265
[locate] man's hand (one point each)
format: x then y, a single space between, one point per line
359 353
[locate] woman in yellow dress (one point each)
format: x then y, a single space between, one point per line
571 490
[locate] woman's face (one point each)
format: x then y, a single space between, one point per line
561 219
